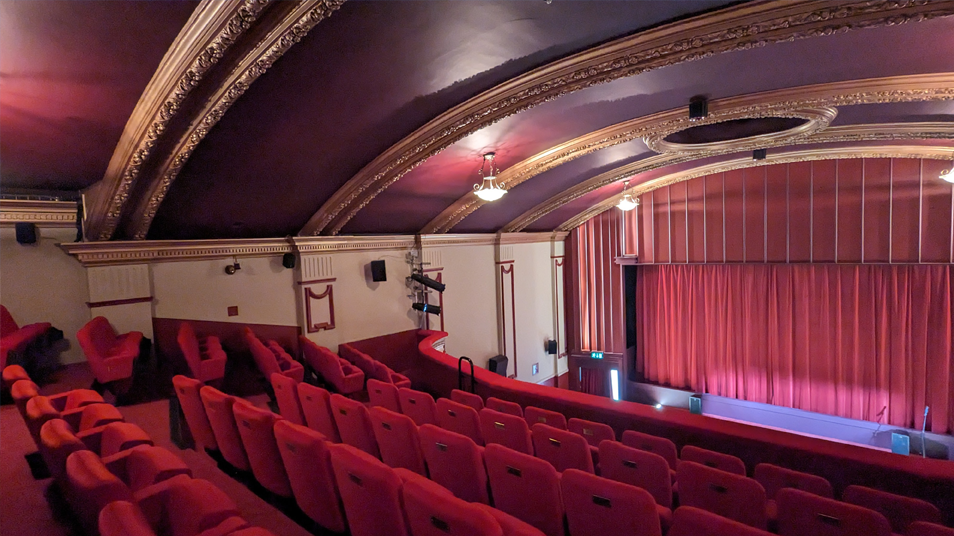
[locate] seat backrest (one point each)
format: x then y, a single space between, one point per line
455 462
308 464
57 441
468 399
592 432
95 415
146 465
370 492
598 506
323 360
774 478
264 358
508 430
384 394
713 459
187 391
123 518
511 525
800 512
637 467
189 344
418 405
256 427
194 506
431 513
901 511
729 495
504 406
398 440
354 424
91 486
120 436
459 418
689 521
359 359
21 392
316 407
563 449
218 408
7 324
535 415
97 337
525 487
286 394
923 528
654 444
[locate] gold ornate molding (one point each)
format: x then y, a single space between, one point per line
42 213
739 27
211 30
807 155
779 102
843 134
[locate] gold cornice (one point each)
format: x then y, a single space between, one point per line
42 213
842 134
807 155
211 30
778 102
739 27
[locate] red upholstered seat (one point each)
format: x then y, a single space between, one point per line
638 468
308 465
187 391
715 460
508 430
593 432
418 405
430 512
689 521
729 495
598 506
455 462
370 492
354 424
316 406
901 511
144 465
218 408
251 531
384 373
384 394
119 436
205 357
398 440
12 374
363 361
511 526
14 338
21 392
467 399
800 513
651 443
256 427
535 415
459 418
123 518
40 409
774 478
110 356
344 377
563 449
272 358
90 487
286 394
288 365
57 440
183 506
923 528
504 406
525 487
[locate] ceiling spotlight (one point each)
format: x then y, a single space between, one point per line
698 108
428 282
627 203
426 308
948 175
759 154
488 189
230 269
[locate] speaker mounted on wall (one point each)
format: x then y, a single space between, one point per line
26 233
551 347
378 271
288 260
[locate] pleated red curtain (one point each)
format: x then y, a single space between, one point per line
845 340
593 381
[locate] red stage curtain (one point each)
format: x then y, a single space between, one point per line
843 340
593 381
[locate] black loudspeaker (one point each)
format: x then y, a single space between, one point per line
26 233
498 365
378 271
288 260
551 347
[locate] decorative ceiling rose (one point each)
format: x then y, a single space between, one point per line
488 189
627 203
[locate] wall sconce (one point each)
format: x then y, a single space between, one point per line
230 269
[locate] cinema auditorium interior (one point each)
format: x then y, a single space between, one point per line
477 268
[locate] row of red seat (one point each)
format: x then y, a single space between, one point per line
111 474
15 338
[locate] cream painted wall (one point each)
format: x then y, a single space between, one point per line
470 314
41 283
533 290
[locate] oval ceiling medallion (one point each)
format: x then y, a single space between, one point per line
739 130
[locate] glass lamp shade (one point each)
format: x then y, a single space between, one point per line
488 190
627 203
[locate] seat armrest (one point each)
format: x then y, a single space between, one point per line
92 438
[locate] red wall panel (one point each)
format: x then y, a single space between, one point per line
734 217
646 231
848 175
754 181
678 221
800 212
696 232
823 211
776 228
661 225
905 209
936 220
715 217
877 210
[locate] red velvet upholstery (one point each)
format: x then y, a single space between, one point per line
90 487
316 407
119 436
183 506
398 440
342 375
123 518
205 357
467 399
511 526
14 338
256 427
455 462
92 416
431 513
593 432
729 495
372 368
12 374
525 487
651 443
715 460
384 394
505 429
251 531
773 478
286 394
459 418
144 465
187 391
923 528
370 492
535 415
57 441
800 513
40 409
21 392
598 506
271 358
418 405
354 424
383 372
900 511
563 449
218 409
504 406
637 467
308 465
110 356
689 521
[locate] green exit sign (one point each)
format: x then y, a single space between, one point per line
596 355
